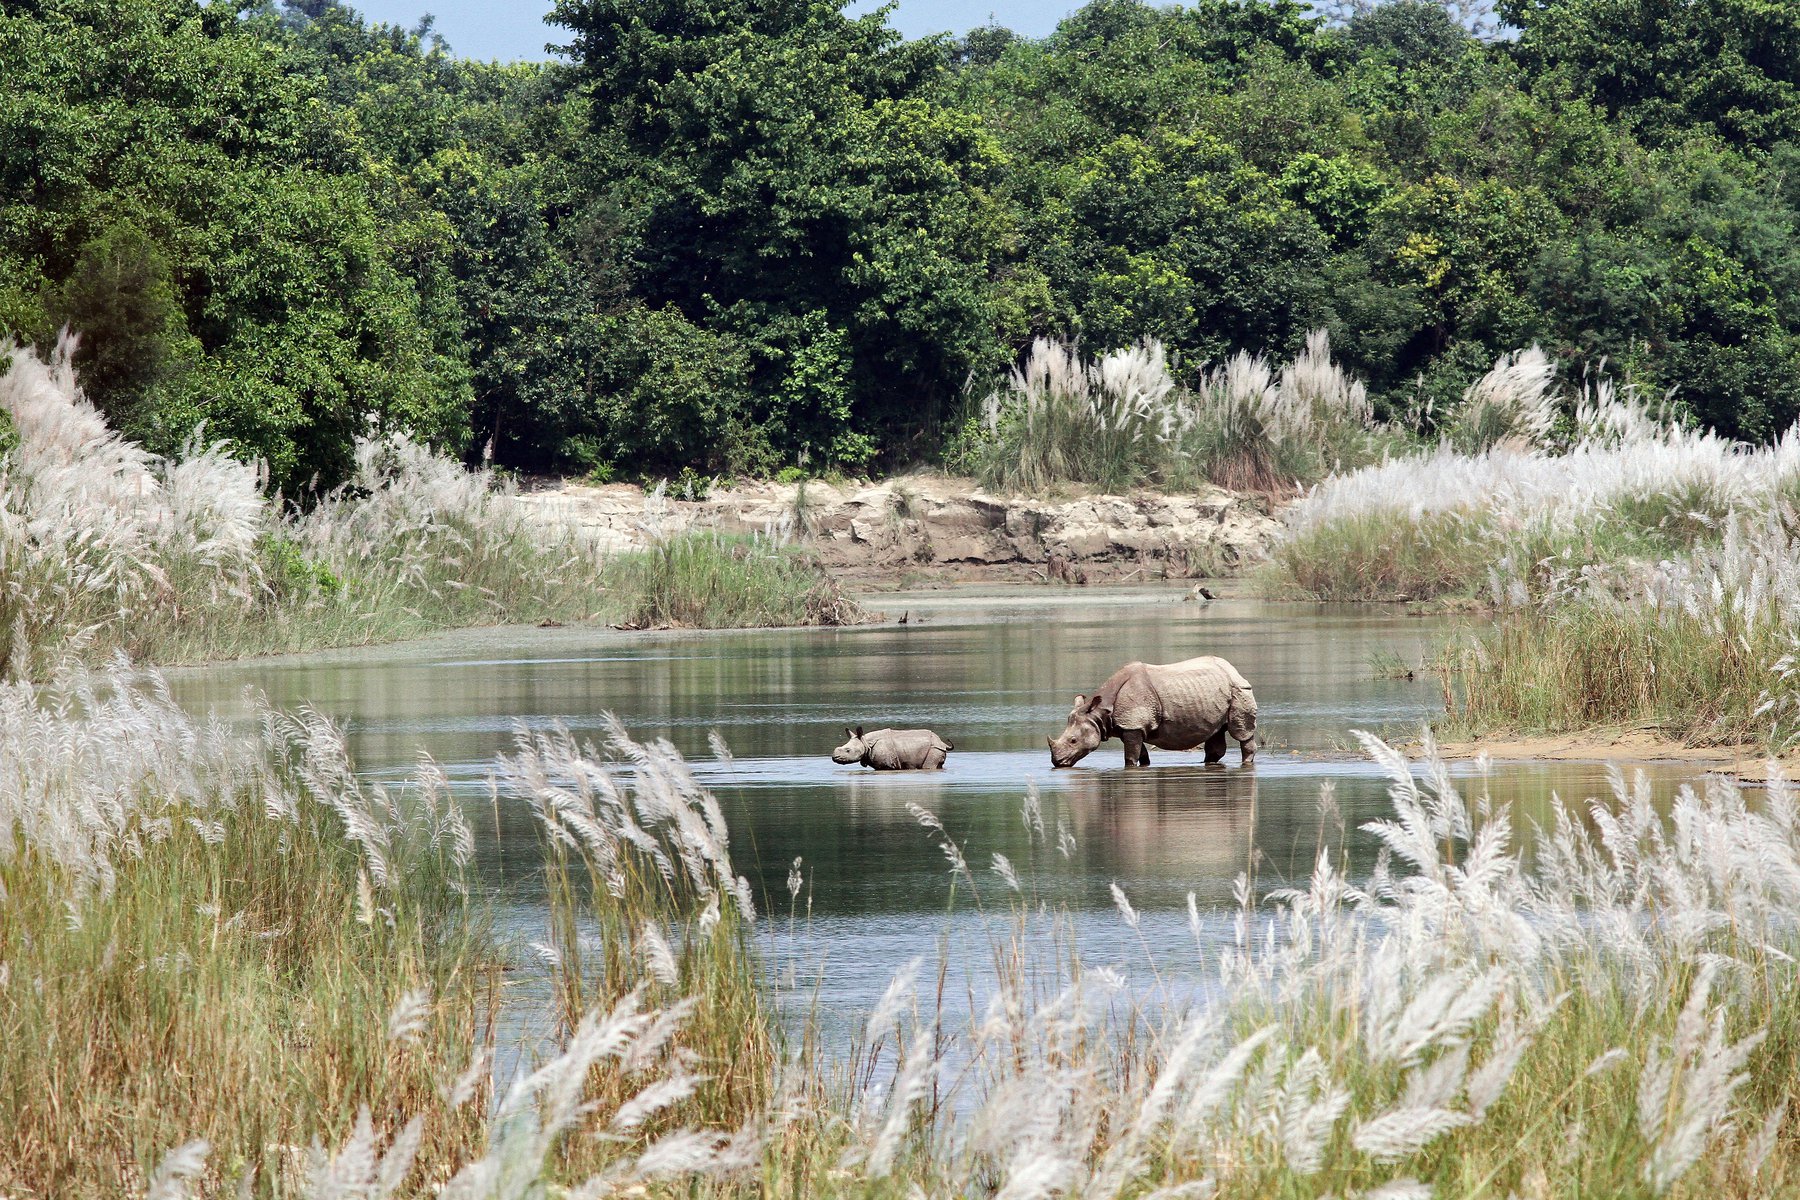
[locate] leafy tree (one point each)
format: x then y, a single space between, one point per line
776 166
738 234
164 180
1731 67
1412 34
120 294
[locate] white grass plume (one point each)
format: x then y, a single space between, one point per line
177 1171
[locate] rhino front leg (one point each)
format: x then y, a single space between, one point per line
1241 722
1215 748
1135 755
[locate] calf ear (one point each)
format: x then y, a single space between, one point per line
1080 700
848 736
859 731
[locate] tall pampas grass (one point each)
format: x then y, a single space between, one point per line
1254 428
1512 405
1624 483
1122 420
106 548
1062 419
1600 1005
218 945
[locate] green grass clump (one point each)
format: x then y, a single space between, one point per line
1383 555
713 581
1393 554
1593 663
1698 647
1675 518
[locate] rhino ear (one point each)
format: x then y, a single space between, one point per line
848 736
1080 702
859 731
1049 741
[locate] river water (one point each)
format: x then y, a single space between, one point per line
992 671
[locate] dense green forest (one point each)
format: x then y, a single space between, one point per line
742 235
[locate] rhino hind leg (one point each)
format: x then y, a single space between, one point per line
934 759
1215 747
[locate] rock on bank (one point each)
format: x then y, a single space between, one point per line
943 525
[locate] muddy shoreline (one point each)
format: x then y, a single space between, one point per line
1746 764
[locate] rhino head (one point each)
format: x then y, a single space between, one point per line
853 750
1085 731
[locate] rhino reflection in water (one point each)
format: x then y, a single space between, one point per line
1172 706
893 749
1186 824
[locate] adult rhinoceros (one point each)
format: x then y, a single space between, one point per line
1173 706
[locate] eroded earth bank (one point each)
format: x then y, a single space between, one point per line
921 526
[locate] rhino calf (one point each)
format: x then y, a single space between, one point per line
1173 706
893 749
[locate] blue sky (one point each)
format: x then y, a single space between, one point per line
517 30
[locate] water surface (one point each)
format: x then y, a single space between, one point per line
992 671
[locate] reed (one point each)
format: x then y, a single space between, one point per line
1603 1005
1699 647
107 549
217 937
1122 421
645 913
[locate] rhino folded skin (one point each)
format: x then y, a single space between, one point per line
1172 706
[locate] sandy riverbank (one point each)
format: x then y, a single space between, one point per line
1618 745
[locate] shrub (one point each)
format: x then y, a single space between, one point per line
1122 420
709 580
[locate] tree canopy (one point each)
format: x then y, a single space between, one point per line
743 235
